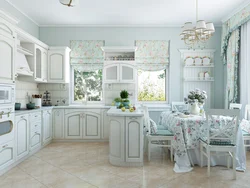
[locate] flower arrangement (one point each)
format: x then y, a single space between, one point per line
196 96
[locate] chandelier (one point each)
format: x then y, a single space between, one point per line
69 3
200 33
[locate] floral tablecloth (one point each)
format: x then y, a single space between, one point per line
187 132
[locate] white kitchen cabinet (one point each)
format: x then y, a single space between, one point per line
119 72
35 122
35 139
47 126
7 154
22 136
7 62
91 125
40 74
105 125
58 123
134 139
58 65
74 125
82 124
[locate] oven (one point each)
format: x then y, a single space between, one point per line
6 124
7 94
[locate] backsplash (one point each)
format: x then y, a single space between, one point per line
113 90
23 90
59 93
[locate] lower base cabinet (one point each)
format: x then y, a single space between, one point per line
7 154
22 136
47 126
58 123
35 139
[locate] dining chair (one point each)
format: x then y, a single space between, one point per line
235 106
246 132
179 106
219 136
159 138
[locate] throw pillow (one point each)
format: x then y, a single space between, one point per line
153 126
245 125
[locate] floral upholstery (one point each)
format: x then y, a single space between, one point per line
245 126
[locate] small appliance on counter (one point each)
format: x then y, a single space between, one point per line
47 99
37 100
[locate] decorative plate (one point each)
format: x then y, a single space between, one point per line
189 61
197 60
206 60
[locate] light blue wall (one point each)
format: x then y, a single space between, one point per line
117 36
24 23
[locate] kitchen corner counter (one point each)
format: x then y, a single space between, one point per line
118 112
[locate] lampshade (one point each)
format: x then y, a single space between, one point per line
69 3
188 26
200 24
210 26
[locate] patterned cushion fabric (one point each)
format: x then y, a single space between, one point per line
245 125
164 133
245 133
161 127
153 126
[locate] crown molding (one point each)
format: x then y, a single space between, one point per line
19 10
235 11
8 17
113 25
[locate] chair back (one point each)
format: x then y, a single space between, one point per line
247 110
179 106
222 125
235 106
146 118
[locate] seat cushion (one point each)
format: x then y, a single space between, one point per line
218 142
161 127
163 133
245 133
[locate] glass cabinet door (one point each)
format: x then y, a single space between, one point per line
38 64
127 73
112 72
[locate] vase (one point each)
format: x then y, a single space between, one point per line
194 109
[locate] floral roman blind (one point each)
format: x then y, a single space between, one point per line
87 55
152 55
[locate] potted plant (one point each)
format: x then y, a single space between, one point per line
124 97
117 101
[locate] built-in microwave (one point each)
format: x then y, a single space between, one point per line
7 94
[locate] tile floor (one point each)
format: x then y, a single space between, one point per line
85 165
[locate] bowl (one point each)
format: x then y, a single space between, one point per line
30 105
17 106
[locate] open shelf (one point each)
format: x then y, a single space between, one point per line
197 79
22 72
199 66
24 51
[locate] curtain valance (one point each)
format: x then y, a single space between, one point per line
87 53
152 55
231 25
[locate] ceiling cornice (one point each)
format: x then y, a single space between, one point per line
19 10
238 9
113 25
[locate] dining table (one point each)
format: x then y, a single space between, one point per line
187 130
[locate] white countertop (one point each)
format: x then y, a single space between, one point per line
118 112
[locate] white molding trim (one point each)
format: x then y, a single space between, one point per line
8 17
19 10
235 11
113 25
196 50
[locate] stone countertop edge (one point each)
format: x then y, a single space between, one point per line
19 112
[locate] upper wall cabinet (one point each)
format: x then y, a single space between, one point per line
7 48
119 65
40 64
58 65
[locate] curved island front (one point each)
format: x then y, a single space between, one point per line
126 137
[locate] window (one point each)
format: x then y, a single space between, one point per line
152 85
87 85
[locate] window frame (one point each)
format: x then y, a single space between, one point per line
152 103
72 86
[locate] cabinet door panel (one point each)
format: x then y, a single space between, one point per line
116 137
45 65
105 125
7 50
91 126
58 124
47 127
38 71
134 139
22 138
56 67
73 126
127 73
35 140
6 154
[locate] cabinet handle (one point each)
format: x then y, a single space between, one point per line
5 146
22 117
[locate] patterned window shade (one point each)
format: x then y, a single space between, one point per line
87 55
152 55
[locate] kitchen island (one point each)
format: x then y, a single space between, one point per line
126 137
